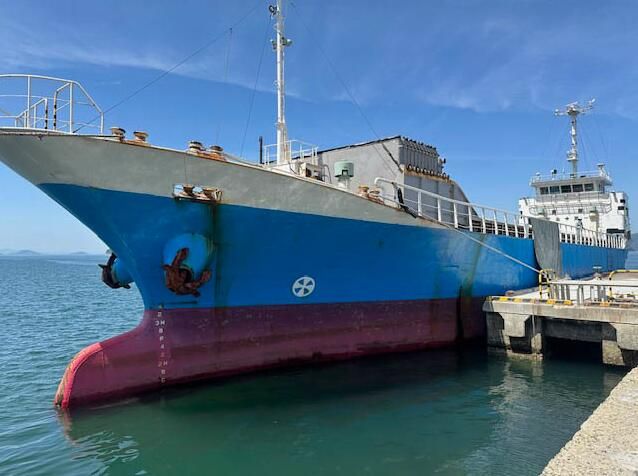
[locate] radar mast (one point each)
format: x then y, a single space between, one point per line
573 110
279 43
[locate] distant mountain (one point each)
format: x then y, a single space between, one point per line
12 252
9 252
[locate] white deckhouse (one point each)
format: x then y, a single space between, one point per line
581 199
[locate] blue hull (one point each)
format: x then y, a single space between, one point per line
378 288
259 253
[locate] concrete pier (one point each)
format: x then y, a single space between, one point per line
599 311
607 443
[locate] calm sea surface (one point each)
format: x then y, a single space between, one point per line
444 412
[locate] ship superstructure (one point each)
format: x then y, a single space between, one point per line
582 199
308 255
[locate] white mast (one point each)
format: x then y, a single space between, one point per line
573 110
279 44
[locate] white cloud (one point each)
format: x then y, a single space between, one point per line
61 48
463 55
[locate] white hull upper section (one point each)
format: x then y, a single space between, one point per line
105 163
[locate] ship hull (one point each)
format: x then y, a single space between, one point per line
383 281
379 288
187 345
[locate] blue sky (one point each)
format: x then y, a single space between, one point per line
477 79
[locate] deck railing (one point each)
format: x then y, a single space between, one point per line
480 218
601 172
293 150
45 103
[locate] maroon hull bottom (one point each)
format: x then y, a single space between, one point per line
182 345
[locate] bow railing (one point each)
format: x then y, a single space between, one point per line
29 101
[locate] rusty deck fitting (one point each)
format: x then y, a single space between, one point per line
196 193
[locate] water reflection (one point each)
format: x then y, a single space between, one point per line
444 411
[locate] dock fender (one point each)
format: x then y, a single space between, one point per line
186 262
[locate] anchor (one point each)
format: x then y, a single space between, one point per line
181 280
111 272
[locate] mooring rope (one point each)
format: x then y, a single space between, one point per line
491 248
471 238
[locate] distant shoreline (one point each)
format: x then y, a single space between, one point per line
50 255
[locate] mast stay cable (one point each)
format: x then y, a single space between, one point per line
187 58
349 93
226 65
254 91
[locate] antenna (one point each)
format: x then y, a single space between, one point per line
281 42
573 110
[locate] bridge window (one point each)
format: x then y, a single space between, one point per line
565 188
554 189
577 187
544 190
621 208
589 187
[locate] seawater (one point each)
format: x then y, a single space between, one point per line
443 412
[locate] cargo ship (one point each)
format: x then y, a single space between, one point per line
307 256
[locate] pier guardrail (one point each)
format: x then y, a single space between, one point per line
482 219
30 101
595 291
